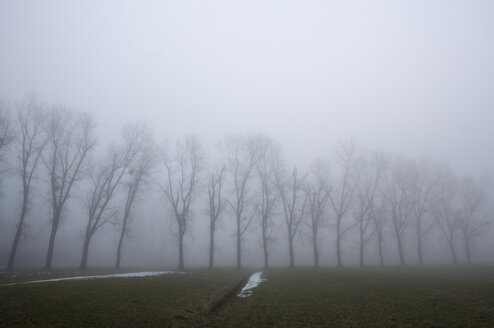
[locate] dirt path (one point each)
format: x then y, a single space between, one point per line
229 296
201 316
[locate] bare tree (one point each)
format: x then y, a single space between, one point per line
240 156
423 184
444 209
70 141
378 215
267 165
215 207
138 171
294 203
29 147
342 192
317 189
470 215
400 201
367 178
104 182
183 169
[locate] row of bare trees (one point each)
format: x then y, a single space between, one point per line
356 190
55 145
369 193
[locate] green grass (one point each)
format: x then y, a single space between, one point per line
163 301
374 297
367 298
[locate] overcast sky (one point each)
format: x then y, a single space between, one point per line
409 76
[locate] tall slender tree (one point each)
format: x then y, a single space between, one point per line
30 143
400 201
183 168
423 185
317 190
472 219
294 203
379 217
444 209
70 138
267 166
342 191
240 156
139 171
104 182
215 207
367 178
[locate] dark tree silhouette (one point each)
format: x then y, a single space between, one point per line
294 202
317 190
29 146
70 140
215 207
138 175
104 182
342 191
267 165
444 209
240 155
400 201
367 178
471 216
423 186
182 169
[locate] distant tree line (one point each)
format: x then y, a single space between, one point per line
371 194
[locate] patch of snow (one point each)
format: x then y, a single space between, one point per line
254 281
117 275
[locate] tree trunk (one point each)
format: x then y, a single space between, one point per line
85 251
453 253
400 247
467 247
419 247
120 242
239 244
211 245
316 252
51 244
265 245
290 248
361 246
181 248
419 243
380 249
18 233
266 256
338 241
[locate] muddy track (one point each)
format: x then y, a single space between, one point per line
215 305
229 296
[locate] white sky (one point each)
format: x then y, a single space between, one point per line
409 76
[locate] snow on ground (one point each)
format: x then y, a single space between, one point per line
254 281
117 275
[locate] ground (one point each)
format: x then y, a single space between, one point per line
372 297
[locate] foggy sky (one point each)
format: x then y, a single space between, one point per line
412 77
409 76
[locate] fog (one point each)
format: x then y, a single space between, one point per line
413 79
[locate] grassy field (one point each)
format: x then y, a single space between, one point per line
389 297
165 301
367 298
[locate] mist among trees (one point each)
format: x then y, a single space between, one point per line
219 203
